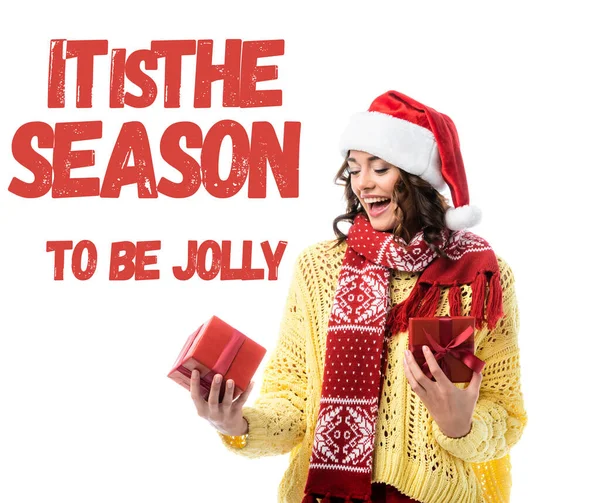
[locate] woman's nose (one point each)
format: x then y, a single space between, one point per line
365 180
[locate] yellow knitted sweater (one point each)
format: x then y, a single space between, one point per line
410 452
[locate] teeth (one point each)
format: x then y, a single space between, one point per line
371 200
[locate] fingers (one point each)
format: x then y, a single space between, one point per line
419 376
475 383
228 397
409 363
195 392
434 367
215 391
241 400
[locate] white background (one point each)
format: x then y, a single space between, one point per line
87 412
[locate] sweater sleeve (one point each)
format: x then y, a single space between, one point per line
499 417
277 420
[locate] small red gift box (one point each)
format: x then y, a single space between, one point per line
452 342
218 348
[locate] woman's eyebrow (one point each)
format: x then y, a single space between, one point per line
372 158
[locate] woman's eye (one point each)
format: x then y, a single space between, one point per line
378 171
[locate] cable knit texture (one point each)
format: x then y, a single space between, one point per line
411 453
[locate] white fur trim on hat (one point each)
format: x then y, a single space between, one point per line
397 141
462 217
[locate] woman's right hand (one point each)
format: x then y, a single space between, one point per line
226 416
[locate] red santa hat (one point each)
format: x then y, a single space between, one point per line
419 140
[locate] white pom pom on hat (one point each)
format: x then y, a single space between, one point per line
462 217
419 140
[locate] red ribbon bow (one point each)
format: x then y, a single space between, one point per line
452 348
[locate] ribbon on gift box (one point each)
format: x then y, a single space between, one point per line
452 348
223 363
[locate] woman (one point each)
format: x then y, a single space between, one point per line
341 392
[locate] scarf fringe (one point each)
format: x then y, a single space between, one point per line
493 306
454 300
400 313
430 302
478 298
494 302
423 302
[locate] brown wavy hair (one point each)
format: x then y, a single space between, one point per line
418 207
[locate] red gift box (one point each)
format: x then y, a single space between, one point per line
218 348
451 340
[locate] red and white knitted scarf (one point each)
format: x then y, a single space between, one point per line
360 320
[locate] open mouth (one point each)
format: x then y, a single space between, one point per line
377 205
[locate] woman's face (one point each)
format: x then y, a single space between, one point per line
373 181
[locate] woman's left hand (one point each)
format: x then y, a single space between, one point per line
450 407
